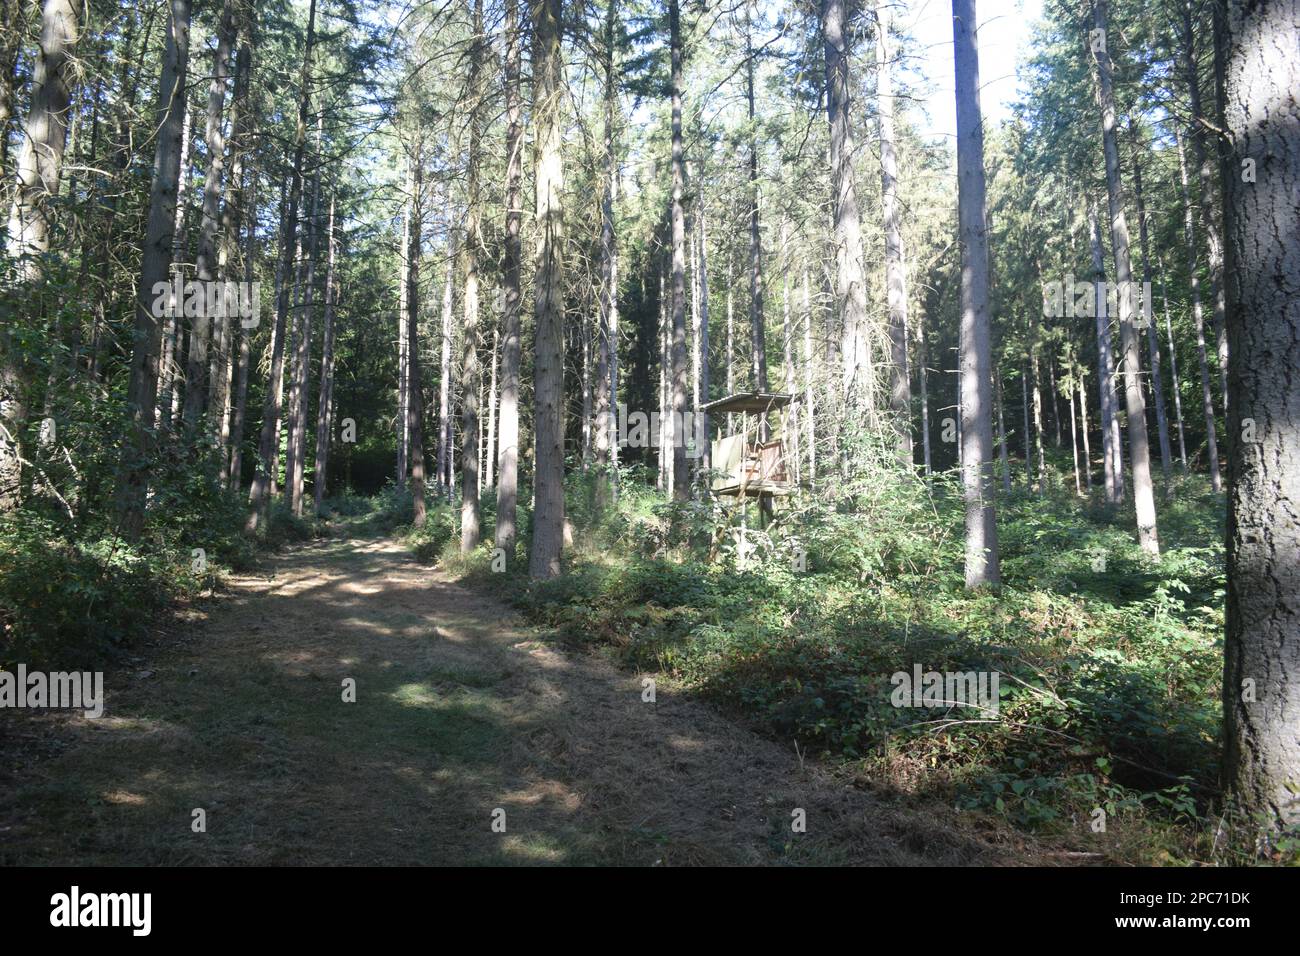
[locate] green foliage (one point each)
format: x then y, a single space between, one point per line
1109 663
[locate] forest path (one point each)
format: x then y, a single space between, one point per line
460 710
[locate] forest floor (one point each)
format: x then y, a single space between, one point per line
236 707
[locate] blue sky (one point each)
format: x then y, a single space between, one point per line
1004 27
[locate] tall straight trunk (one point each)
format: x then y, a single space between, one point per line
40 166
809 411
470 517
239 402
1110 439
1207 207
1144 499
1002 439
508 429
414 391
1074 444
1198 316
1173 367
757 333
170 392
900 390
296 442
702 337
606 402
982 565
489 456
681 481
1083 427
665 436
1028 437
403 352
858 390
446 426
790 426
923 360
1041 484
222 369
268 443
201 326
133 482
548 492
1153 335
325 398
1259 67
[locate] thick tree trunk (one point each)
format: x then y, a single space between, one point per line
548 493
446 424
1144 500
132 491
982 566
1261 693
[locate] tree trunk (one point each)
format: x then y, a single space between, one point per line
508 428
1153 335
414 392
900 391
1111 463
201 327
470 517
325 398
982 566
268 443
1173 368
606 401
40 166
681 480
548 492
858 391
1198 315
1144 500
133 482
1260 72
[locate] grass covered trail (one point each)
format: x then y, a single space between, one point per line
460 710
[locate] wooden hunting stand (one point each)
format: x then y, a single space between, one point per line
748 466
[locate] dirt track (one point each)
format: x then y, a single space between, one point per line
460 711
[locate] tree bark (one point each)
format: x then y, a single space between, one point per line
858 389
132 491
268 443
681 481
508 427
1144 501
548 493
982 565
900 391
1261 80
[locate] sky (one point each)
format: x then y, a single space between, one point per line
1004 28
